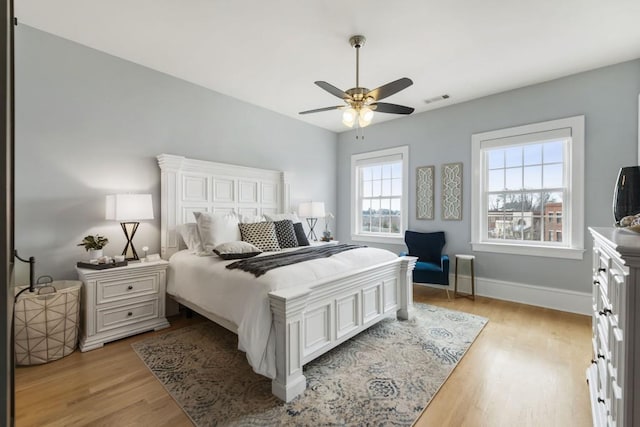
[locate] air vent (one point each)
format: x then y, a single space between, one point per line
436 99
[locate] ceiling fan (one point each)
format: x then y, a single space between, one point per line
360 102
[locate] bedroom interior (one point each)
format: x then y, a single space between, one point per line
84 100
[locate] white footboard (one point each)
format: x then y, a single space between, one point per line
311 321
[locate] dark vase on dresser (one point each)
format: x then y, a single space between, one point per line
626 196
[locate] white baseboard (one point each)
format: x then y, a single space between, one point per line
540 296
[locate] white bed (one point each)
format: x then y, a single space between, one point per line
292 314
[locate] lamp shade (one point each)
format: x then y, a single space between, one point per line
311 209
129 207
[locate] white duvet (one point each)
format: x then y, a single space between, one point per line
242 298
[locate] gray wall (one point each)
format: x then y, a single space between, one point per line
90 124
608 97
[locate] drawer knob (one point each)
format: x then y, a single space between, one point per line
600 356
596 282
129 287
602 269
605 312
600 400
129 314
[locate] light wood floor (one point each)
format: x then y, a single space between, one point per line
525 369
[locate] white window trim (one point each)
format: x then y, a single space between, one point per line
403 151
575 173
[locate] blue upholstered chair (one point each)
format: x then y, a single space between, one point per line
432 266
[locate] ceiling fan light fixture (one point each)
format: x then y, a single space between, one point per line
349 117
365 116
361 102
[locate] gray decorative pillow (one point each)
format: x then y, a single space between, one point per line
300 236
260 234
286 234
236 250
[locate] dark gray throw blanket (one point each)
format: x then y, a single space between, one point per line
260 265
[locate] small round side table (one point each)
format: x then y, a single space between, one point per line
469 258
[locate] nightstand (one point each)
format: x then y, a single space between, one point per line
122 301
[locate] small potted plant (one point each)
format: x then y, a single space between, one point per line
94 245
326 234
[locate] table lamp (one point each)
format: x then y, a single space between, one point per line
129 209
312 211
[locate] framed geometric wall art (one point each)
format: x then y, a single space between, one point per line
425 183
452 191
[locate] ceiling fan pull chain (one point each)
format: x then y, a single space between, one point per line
358 66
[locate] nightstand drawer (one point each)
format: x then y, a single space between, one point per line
116 317
125 288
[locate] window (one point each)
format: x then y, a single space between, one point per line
527 191
379 183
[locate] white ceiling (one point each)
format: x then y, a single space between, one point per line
269 52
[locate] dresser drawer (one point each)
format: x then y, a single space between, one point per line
616 345
602 267
615 412
108 290
115 317
617 291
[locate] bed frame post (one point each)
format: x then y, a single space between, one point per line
170 193
406 287
287 307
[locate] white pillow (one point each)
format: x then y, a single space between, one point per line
250 219
217 228
191 238
281 217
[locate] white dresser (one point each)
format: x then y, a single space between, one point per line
122 301
614 373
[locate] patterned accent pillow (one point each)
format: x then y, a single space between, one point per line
300 236
236 250
260 234
286 234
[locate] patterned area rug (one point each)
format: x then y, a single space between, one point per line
386 375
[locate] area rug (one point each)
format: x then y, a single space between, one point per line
386 375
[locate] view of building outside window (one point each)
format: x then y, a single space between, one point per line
381 190
526 190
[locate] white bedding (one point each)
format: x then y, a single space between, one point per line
242 298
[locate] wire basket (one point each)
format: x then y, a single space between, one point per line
46 322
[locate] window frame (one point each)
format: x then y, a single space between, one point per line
574 178
369 158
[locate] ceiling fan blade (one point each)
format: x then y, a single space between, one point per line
383 107
333 90
317 110
390 88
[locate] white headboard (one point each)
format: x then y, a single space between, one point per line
189 185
